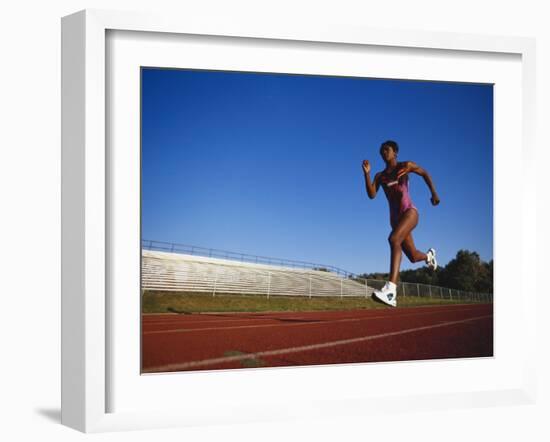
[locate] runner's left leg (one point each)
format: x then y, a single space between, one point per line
411 251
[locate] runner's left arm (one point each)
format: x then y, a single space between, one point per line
415 168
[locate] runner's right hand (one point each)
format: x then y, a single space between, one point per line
366 166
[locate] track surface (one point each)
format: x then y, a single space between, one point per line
238 340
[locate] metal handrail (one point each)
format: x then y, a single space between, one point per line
148 244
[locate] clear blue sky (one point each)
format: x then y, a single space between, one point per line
270 164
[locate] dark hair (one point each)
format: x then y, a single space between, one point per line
391 144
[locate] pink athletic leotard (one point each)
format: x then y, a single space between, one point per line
397 193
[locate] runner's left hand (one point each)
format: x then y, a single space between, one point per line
434 199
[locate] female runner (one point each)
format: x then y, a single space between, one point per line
403 214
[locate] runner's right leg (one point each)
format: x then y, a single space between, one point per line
402 230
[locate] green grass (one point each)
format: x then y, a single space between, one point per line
173 302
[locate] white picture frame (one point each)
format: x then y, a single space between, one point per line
86 206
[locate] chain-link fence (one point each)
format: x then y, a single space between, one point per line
431 291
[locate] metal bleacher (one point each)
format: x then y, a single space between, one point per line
180 272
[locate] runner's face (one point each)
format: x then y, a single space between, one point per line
387 153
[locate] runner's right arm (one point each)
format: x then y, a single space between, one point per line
371 186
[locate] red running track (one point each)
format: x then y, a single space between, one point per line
238 340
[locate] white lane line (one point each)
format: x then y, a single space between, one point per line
224 321
172 318
190 330
204 321
226 359
311 322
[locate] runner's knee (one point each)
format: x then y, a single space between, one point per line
395 240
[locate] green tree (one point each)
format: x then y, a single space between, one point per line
467 272
484 283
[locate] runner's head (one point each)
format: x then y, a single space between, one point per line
389 150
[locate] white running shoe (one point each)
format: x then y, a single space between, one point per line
388 294
430 259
